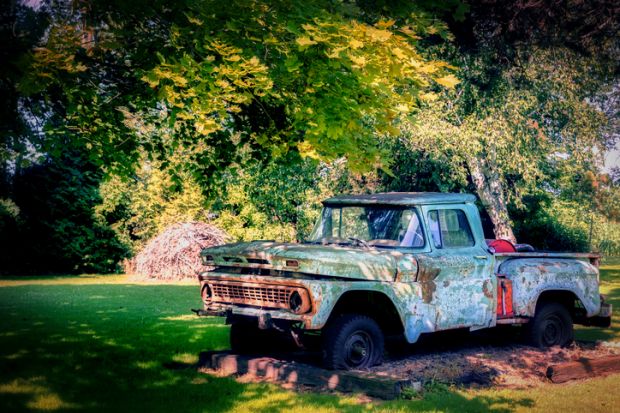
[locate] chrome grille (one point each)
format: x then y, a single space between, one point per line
275 296
258 294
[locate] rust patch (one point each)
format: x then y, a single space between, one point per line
487 290
428 288
428 274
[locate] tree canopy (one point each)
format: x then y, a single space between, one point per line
212 79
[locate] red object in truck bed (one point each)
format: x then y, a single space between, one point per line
501 245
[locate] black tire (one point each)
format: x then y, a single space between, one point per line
352 341
247 338
552 325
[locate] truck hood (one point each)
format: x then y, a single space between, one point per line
323 260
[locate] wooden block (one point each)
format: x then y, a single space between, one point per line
583 368
293 373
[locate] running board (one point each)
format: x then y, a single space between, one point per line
519 320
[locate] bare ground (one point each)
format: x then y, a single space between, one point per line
483 359
515 366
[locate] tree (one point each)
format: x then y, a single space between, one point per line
535 105
324 78
533 132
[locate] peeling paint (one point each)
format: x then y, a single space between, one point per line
426 274
428 288
560 274
487 289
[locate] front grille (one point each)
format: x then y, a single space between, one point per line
241 292
256 294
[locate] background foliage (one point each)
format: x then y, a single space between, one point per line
49 226
122 118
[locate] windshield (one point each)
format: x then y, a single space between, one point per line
374 226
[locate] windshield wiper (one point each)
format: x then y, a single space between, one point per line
360 242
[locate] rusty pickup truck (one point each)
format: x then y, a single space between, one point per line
395 264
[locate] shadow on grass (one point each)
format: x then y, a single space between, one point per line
104 348
101 348
437 397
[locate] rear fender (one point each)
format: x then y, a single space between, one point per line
531 277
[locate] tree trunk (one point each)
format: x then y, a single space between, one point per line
491 193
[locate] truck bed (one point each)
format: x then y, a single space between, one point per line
593 258
535 272
544 254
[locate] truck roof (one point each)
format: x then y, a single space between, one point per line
400 198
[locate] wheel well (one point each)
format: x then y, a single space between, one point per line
373 304
567 298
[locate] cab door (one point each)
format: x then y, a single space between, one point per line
464 287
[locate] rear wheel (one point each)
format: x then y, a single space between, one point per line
551 326
352 342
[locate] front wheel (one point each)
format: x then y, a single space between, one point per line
552 325
352 342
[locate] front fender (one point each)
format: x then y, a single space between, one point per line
416 316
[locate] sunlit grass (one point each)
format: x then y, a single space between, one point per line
40 396
104 343
610 286
9 281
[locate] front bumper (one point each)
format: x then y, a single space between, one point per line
265 319
214 310
226 310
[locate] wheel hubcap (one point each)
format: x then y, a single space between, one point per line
358 348
552 331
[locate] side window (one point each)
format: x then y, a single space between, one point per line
433 221
411 230
450 228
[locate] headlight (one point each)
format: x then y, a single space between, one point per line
205 293
295 301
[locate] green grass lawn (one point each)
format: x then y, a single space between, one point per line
100 343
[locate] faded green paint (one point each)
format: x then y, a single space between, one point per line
532 276
341 261
432 288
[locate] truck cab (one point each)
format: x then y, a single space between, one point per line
394 263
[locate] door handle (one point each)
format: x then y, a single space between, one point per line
480 257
